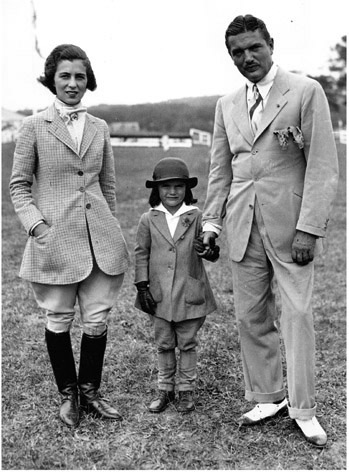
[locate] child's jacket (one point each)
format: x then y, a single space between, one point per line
177 278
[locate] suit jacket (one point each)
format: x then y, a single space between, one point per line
75 195
176 274
294 187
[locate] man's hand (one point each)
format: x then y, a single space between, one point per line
303 247
145 298
210 254
209 240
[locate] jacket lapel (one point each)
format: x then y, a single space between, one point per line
276 101
158 218
240 115
184 223
58 128
88 135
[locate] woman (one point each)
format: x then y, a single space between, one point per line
75 249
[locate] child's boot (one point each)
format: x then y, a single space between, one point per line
186 402
162 401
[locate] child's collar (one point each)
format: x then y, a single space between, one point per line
183 209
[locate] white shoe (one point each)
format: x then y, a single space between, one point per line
261 412
313 431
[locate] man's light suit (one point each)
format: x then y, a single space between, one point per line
265 190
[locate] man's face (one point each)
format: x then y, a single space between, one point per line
251 54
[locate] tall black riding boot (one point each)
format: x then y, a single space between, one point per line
90 374
63 365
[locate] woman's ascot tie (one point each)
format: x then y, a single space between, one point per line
70 114
74 119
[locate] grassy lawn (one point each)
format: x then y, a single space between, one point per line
33 437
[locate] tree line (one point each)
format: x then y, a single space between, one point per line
182 114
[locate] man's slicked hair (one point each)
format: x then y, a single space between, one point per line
244 23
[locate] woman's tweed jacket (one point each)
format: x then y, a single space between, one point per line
74 194
177 278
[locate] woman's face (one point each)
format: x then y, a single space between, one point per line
172 194
70 81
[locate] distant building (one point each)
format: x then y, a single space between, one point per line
11 123
127 135
200 137
118 127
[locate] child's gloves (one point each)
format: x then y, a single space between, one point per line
145 298
212 254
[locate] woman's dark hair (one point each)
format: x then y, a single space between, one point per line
66 52
244 23
155 200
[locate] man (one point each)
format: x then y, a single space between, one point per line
273 177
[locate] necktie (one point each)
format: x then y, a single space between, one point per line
258 99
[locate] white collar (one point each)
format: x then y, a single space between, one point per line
61 106
183 209
265 84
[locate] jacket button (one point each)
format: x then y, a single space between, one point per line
88 206
80 172
82 189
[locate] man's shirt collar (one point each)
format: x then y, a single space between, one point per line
266 83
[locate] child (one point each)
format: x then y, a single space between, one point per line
171 279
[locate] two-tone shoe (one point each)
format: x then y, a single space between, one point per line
313 431
261 412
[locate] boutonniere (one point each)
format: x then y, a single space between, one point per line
186 222
284 134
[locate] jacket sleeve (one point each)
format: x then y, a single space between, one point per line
107 174
220 175
321 176
23 171
142 249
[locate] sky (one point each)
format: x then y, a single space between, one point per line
154 50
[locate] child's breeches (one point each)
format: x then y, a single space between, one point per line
168 336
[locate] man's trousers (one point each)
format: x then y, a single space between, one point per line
256 314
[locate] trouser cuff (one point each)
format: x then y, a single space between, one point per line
301 413
166 388
265 397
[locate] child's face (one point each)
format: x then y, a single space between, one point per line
172 194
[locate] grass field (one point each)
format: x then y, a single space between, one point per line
33 437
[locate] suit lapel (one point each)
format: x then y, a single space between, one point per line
276 102
88 135
240 115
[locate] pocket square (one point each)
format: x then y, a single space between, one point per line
284 134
